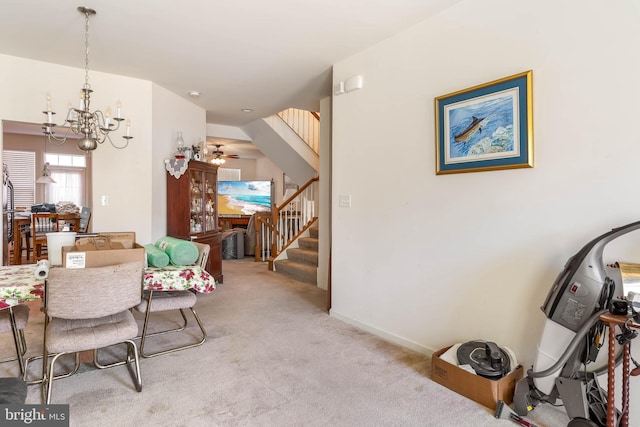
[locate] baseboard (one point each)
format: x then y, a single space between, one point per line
387 336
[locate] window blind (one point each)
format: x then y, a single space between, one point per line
22 174
228 174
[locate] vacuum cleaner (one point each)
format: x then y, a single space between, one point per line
567 363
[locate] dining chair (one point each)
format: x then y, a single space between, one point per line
85 217
25 235
157 301
14 319
41 224
69 222
89 309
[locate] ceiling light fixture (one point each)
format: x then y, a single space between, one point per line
95 127
45 178
217 159
247 110
194 94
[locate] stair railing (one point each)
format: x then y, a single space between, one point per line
294 216
306 124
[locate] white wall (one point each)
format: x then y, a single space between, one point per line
224 131
247 168
130 177
431 260
171 114
324 205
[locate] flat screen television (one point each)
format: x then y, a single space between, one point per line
243 197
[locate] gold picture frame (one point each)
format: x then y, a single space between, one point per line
486 127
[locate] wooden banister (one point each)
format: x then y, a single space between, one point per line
277 231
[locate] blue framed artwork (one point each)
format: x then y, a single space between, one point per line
486 127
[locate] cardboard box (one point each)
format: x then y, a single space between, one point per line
103 249
483 390
126 238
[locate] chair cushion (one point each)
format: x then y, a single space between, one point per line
71 335
13 391
168 300
20 312
83 293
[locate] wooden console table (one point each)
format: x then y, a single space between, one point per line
233 221
612 322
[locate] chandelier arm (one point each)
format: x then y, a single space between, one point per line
104 125
56 140
100 133
117 146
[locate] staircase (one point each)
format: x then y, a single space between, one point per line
279 142
302 262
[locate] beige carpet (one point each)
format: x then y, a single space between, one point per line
273 357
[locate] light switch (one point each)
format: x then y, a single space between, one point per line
344 201
104 200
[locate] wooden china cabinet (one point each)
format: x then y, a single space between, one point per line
192 210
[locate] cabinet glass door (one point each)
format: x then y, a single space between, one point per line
210 200
196 224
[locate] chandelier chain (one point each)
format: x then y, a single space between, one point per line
86 52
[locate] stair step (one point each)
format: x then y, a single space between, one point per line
298 271
313 232
303 255
310 243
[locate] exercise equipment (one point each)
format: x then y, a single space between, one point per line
567 363
503 412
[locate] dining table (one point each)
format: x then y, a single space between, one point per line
19 284
22 221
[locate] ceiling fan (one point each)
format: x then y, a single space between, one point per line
218 156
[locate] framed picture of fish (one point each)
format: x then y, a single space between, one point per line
486 127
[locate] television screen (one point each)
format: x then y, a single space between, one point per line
243 197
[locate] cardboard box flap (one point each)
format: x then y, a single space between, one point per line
126 238
98 243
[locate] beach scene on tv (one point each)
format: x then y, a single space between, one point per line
243 197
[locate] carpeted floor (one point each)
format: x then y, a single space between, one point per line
273 357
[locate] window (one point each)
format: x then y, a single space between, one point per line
22 172
228 174
65 160
68 171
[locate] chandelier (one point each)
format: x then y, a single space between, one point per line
94 127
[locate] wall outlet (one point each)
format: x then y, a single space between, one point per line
344 201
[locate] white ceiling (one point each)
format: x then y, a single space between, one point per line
266 55
257 54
